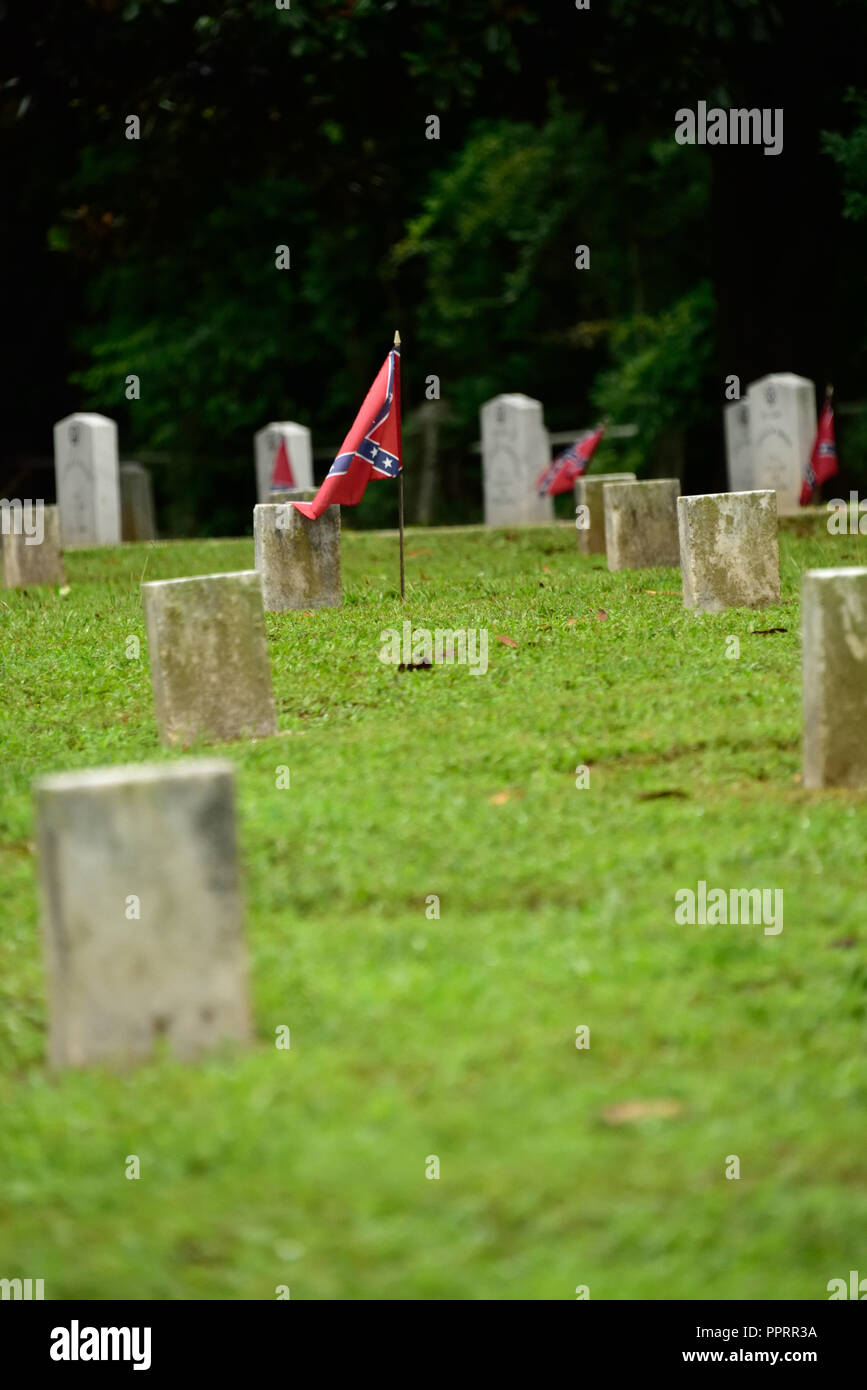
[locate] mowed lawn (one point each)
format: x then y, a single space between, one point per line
413 1037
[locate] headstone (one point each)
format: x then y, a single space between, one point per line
210 672
142 914
136 504
26 563
298 559
88 486
515 450
739 454
729 555
834 647
641 523
300 449
588 493
782 410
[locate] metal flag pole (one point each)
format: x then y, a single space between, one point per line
400 500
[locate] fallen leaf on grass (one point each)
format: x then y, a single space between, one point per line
601 615
766 631
677 593
629 1110
500 798
546 569
570 622
411 554
507 641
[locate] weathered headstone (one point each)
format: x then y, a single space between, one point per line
299 447
298 559
588 493
834 656
729 555
142 913
782 410
210 672
515 450
26 559
136 504
739 453
641 523
88 484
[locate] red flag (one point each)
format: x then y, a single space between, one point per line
371 450
823 459
282 475
566 467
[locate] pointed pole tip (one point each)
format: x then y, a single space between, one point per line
396 338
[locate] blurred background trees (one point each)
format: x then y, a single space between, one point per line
305 127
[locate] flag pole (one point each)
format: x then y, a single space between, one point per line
400 501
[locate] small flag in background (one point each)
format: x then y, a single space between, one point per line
371 450
566 467
282 475
823 459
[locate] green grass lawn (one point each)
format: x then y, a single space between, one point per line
455 1037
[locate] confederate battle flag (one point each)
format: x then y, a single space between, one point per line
823 459
566 467
371 450
282 475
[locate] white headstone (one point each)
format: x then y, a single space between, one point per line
88 482
782 433
142 914
210 672
515 450
739 454
834 656
299 448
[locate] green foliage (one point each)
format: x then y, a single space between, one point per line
849 152
661 375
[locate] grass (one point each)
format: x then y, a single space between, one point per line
455 1037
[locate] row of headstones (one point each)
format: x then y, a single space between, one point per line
727 549
171 880
173 864
769 436
101 501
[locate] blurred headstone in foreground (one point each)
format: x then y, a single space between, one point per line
142 914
